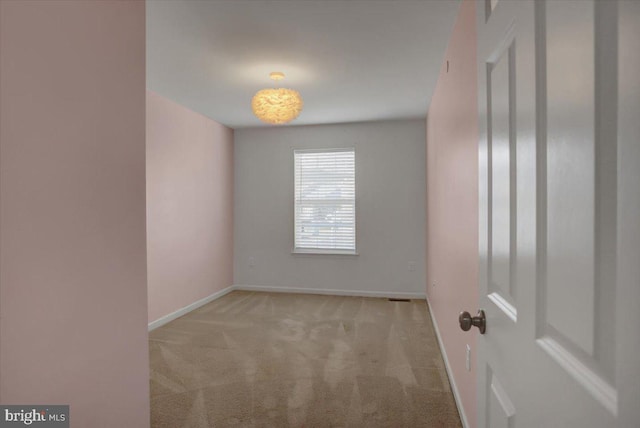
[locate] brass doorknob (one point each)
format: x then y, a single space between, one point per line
466 321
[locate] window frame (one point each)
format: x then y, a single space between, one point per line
327 251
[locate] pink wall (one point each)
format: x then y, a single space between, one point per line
72 209
189 206
452 201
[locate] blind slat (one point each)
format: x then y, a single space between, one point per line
325 199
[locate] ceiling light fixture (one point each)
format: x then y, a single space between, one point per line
276 106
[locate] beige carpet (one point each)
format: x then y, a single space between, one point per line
290 360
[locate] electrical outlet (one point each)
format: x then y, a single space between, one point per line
468 358
252 262
412 266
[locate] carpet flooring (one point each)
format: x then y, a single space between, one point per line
254 359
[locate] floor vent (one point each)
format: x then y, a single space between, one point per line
399 300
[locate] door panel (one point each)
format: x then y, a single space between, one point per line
507 128
569 297
554 222
501 412
501 146
576 311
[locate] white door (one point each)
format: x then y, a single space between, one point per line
559 97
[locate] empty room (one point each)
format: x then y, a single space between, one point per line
319 213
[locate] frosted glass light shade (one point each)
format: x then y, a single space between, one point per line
276 106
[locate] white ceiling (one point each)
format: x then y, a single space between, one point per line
351 60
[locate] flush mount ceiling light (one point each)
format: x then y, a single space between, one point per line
278 105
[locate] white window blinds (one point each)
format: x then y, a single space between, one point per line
325 200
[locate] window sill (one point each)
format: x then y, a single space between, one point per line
317 251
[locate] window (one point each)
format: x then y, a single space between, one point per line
325 201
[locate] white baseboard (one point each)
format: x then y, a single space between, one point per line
331 291
183 311
452 381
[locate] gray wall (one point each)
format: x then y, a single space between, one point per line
390 209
